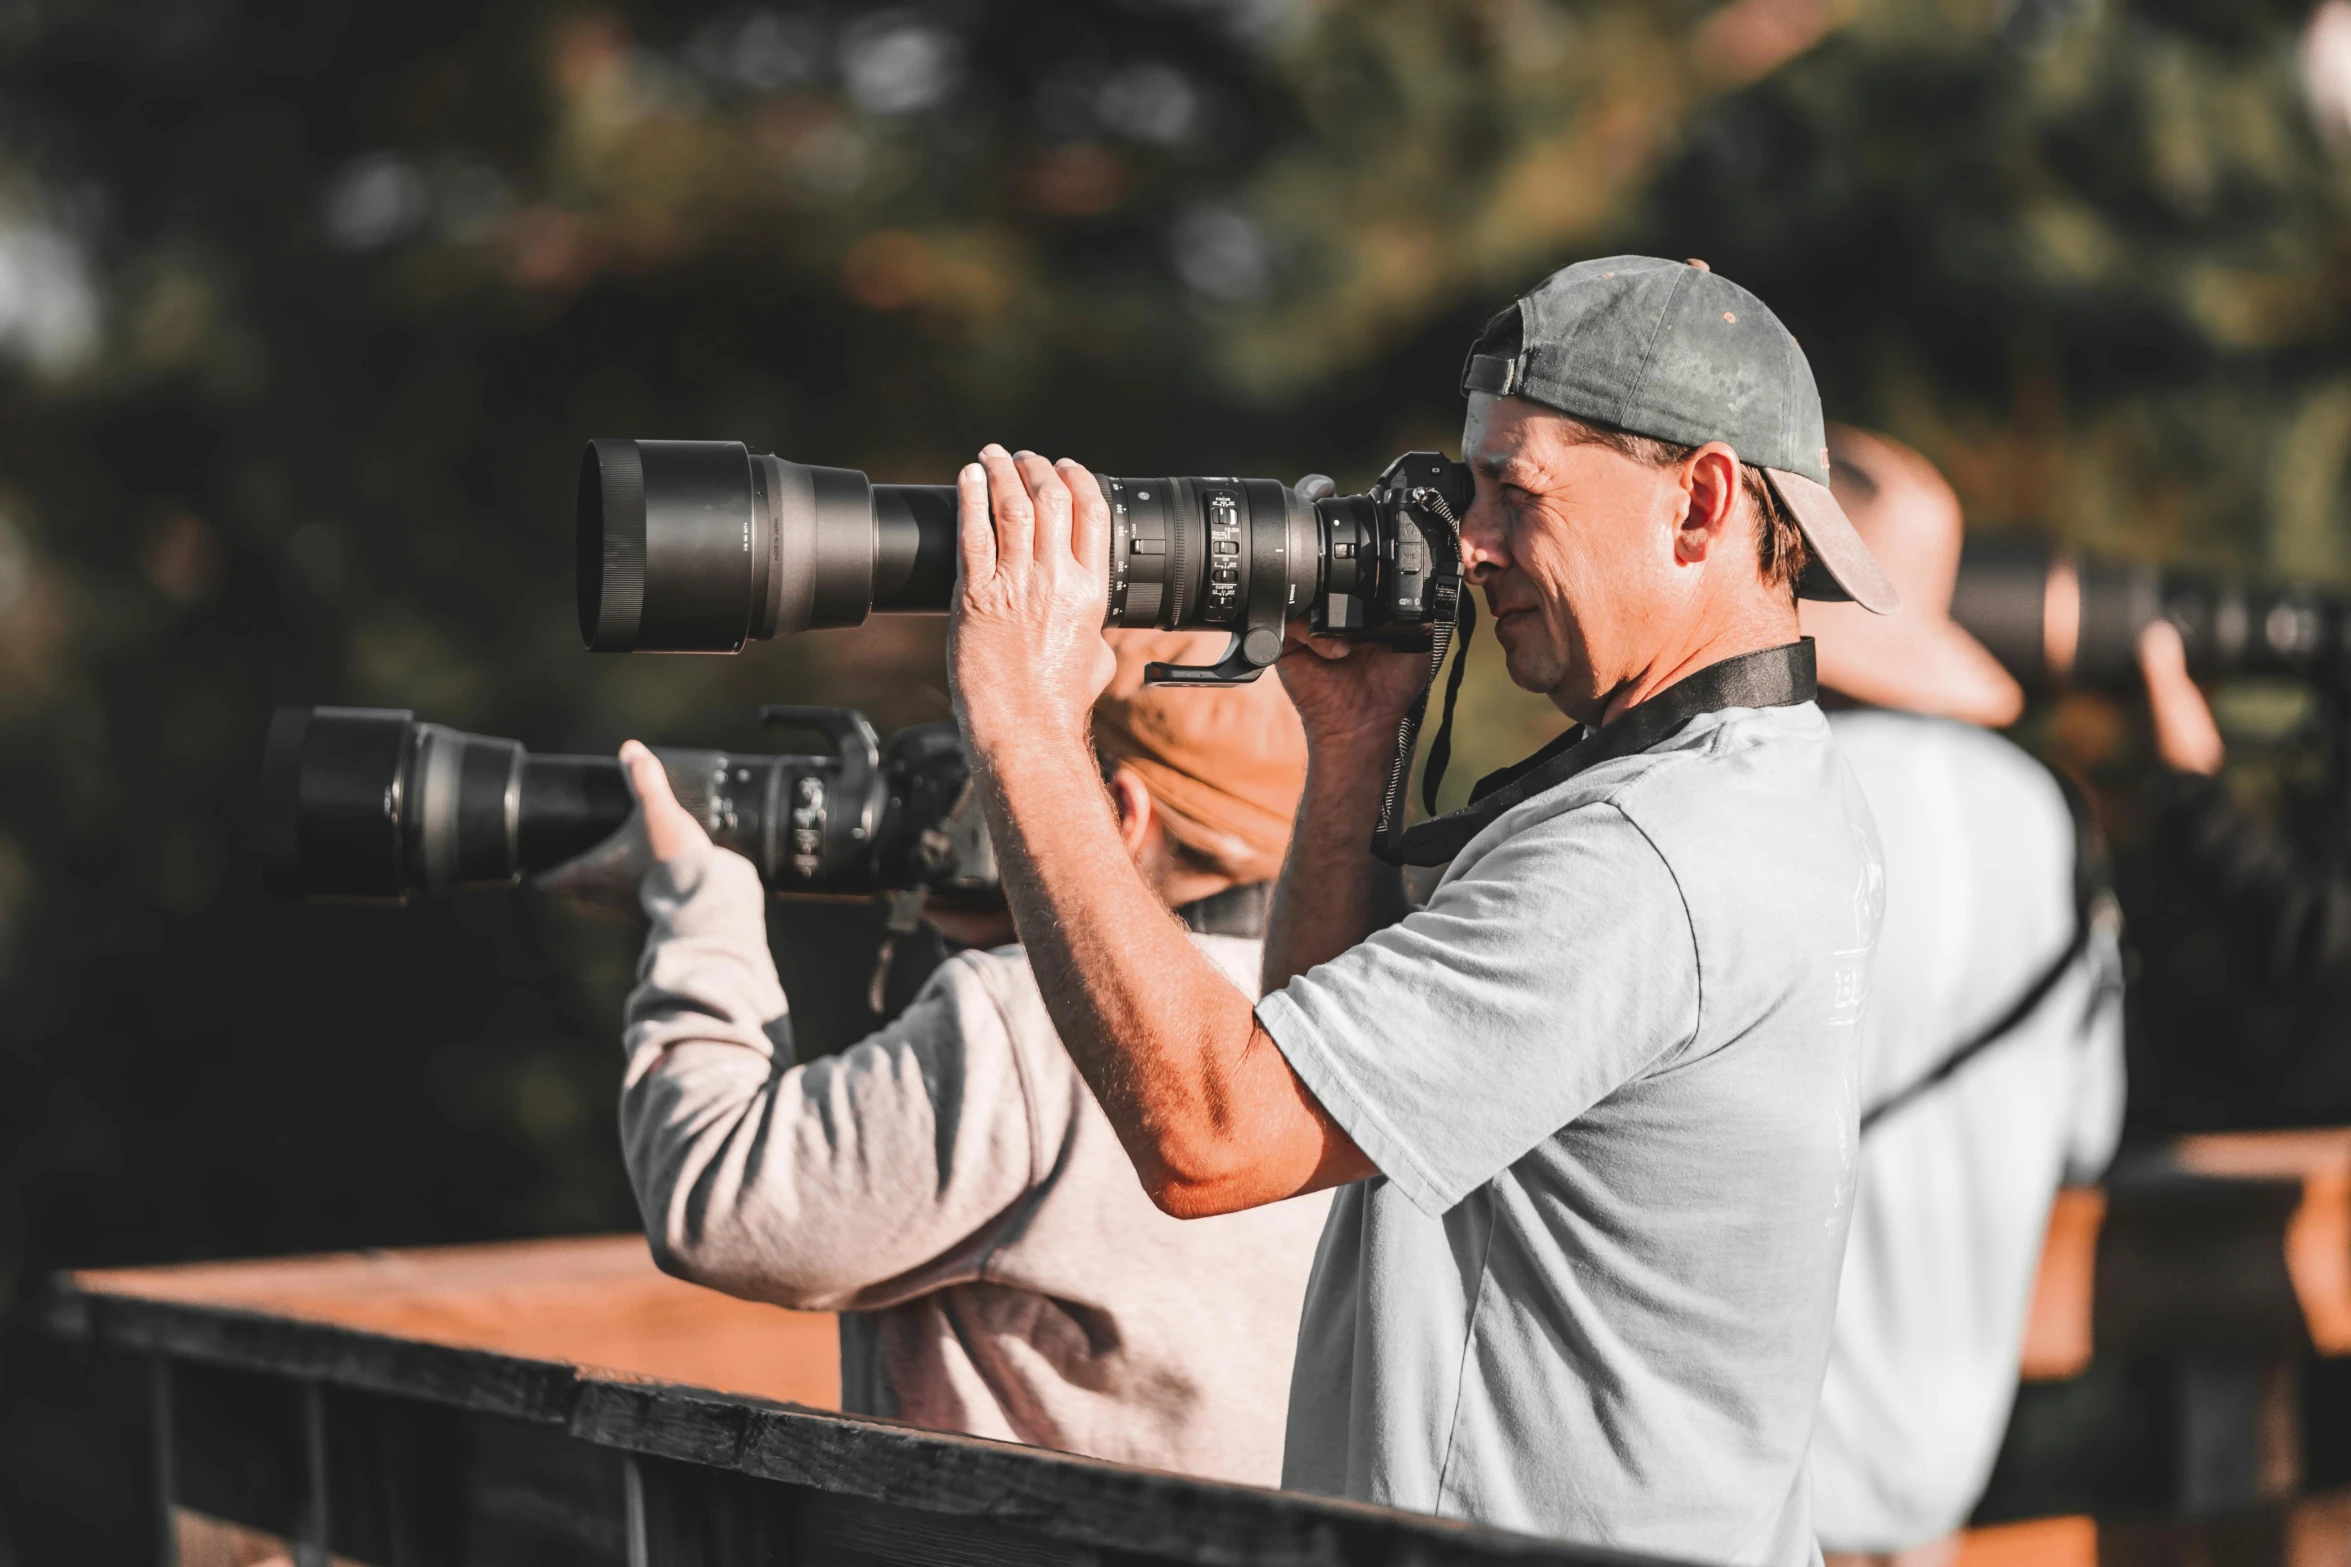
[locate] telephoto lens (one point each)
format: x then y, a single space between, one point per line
2056 621
368 803
702 546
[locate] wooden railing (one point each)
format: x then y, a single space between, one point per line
448 1408
564 1401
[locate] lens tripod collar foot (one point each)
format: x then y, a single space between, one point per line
1245 658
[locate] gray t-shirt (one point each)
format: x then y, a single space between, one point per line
1607 1074
1956 1185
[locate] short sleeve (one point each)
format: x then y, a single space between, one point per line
2099 1078
1559 967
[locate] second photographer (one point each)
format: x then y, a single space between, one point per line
950 1184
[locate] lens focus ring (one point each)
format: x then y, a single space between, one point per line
609 552
670 531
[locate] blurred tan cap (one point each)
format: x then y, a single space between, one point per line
1917 659
1225 764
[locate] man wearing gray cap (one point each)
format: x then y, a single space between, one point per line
1593 1104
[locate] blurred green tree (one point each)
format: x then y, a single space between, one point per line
307 309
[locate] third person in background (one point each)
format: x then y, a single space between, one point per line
1991 1060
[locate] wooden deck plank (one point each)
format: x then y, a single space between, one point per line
595 1301
599 1301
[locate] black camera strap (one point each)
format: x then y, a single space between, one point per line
1770 677
2094 909
1450 629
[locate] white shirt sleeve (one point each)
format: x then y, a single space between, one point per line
852 1182
1559 967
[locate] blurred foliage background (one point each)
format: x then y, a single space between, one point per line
305 310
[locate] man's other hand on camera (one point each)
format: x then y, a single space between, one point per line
658 831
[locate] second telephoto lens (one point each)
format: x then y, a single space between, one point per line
368 803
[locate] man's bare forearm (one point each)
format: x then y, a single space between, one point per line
1204 1102
1333 891
1171 1049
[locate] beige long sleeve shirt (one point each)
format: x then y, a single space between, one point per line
952 1187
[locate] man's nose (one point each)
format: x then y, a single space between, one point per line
1482 551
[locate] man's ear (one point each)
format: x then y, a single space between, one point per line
1133 803
1711 482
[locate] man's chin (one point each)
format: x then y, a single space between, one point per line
1529 670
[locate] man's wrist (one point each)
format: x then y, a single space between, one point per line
1354 744
708 891
1022 755
1341 804
1009 719
1350 729
1003 724
1342 770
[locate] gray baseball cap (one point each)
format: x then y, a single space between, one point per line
1668 350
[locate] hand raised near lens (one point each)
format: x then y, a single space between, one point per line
1025 654
2185 736
659 830
671 832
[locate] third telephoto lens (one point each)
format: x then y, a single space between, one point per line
2056 621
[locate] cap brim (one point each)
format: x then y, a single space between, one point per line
1838 554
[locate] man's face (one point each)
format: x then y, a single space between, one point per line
1574 546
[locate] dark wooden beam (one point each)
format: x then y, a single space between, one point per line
417 1453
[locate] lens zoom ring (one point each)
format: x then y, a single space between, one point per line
1180 514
